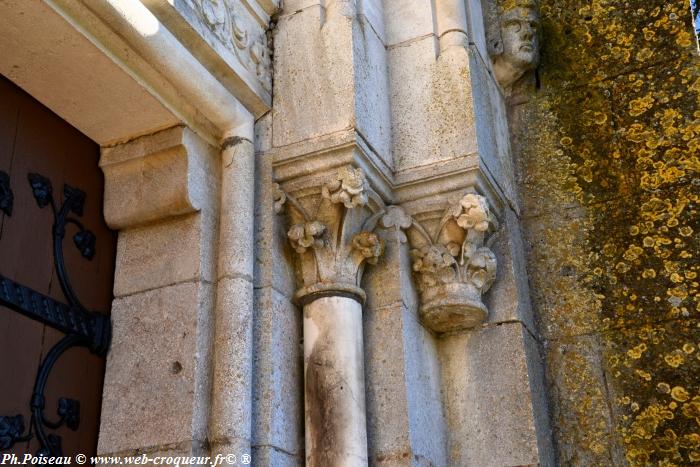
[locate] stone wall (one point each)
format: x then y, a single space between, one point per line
607 155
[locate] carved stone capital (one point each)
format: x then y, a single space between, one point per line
331 229
452 263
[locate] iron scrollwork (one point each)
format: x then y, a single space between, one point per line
6 197
83 328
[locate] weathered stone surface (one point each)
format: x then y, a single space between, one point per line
334 383
509 298
404 407
388 427
581 415
372 105
491 366
272 457
273 254
157 369
230 422
166 174
166 253
314 93
390 281
406 20
620 197
278 397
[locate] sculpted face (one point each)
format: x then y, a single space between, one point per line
518 27
519 33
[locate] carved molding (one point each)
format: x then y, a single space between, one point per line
453 265
332 232
249 44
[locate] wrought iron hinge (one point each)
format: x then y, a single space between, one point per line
82 328
7 198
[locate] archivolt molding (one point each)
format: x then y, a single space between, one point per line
248 43
453 265
332 231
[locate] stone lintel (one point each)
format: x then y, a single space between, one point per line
229 39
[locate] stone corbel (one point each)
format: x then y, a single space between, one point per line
333 234
158 176
453 265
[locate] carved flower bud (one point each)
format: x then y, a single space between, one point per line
431 258
279 197
474 213
454 248
369 245
396 217
349 188
482 269
306 235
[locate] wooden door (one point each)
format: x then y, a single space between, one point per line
33 140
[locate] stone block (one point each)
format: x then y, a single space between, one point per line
385 369
390 281
581 416
314 90
488 398
439 109
237 229
278 396
292 7
407 19
157 369
372 109
410 72
166 253
263 133
651 372
476 27
557 258
372 11
425 408
273 254
509 297
404 410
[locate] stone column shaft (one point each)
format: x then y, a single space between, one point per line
230 420
334 386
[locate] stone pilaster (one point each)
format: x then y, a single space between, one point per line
162 194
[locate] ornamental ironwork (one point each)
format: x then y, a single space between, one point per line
82 328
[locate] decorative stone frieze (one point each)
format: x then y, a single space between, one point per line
337 240
228 25
453 265
512 34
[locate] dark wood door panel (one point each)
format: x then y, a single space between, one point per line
34 140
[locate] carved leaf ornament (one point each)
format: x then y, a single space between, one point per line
220 17
335 243
453 267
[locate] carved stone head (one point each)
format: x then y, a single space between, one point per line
513 39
